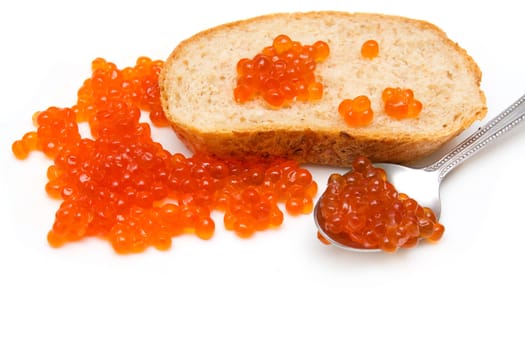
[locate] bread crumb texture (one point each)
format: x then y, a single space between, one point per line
198 79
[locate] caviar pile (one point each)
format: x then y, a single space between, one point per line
370 49
281 73
122 186
356 112
361 209
400 103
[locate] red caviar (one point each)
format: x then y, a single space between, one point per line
400 103
362 209
281 73
370 49
122 186
356 112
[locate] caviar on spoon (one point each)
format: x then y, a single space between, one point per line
367 209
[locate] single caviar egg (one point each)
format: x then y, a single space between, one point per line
19 149
321 51
356 112
282 43
400 103
361 209
370 49
281 73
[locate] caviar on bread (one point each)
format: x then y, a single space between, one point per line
367 53
281 73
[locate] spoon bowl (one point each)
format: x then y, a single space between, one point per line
422 184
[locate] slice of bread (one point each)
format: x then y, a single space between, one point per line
199 76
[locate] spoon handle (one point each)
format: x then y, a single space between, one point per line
496 127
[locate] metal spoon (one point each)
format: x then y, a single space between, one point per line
422 184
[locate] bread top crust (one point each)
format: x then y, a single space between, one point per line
199 76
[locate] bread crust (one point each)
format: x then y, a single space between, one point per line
307 146
336 147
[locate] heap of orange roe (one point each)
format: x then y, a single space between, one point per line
361 209
122 186
281 73
400 103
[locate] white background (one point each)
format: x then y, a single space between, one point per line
281 289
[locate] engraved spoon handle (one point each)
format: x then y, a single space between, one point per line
499 125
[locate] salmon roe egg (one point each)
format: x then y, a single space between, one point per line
370 49
361 209
281 73
400 103
356 112
122 186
